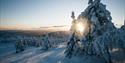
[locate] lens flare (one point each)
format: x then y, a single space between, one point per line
80 27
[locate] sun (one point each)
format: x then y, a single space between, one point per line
80 27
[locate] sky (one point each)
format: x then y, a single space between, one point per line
45 13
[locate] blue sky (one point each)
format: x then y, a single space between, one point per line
38 13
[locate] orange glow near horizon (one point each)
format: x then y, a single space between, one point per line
27 27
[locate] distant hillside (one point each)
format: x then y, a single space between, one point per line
48 28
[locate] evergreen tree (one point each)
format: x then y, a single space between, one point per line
99 23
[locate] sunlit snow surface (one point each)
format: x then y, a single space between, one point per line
37 55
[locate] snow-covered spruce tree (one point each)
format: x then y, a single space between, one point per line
19 44
46 43
96 22
73 41
108 41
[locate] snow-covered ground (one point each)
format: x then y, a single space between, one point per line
37 55
33 55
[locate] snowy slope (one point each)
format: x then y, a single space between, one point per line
36 55
54 55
